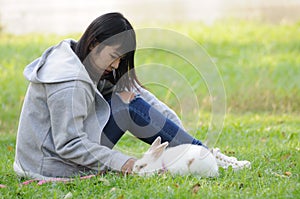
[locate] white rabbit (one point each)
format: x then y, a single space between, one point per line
181 159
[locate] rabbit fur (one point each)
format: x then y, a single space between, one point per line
182 159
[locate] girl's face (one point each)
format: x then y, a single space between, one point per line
106 60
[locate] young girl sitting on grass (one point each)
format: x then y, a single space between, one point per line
83 95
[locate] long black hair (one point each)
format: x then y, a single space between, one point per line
112 29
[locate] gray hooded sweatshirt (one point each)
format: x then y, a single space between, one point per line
62 119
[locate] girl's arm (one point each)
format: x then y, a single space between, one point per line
68 111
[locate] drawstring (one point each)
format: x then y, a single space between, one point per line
114 74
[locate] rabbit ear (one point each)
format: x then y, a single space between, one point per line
157 152
155 144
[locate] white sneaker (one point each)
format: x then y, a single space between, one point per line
224 161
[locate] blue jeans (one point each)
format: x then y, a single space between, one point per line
144 122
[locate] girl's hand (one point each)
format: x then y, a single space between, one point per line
127 167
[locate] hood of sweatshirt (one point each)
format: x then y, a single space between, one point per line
57 64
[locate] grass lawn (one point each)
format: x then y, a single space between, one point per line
260 67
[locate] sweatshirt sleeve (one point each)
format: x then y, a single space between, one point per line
68 110
160 106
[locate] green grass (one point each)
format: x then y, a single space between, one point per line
271 143
260 67
259 63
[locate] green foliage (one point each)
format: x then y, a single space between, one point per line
259 64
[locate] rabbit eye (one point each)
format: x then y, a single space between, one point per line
142 166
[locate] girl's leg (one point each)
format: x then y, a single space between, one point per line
144 122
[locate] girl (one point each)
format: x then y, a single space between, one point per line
81 99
